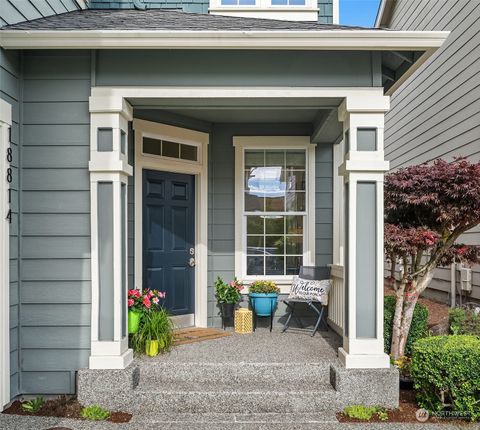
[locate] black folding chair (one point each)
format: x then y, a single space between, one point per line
310 273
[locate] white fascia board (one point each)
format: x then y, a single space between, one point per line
380 12
368 40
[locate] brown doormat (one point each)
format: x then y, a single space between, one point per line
197 334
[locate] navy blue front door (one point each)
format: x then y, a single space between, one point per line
169 238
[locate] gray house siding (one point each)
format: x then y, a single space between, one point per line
220 67
55 221
436 113
13 11
325 12
10 92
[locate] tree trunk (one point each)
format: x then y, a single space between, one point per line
404 308
397 319
408 308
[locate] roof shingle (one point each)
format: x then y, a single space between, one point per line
164 19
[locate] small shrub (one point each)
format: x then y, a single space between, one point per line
464 321
34 405
228 293
264 287
94 413
365 413
446 374
155 325
418 329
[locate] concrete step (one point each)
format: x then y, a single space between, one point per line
233 376
288 400
197 419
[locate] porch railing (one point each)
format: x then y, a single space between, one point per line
336 300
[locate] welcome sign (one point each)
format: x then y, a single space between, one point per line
310 290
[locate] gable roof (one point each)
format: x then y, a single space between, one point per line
163 19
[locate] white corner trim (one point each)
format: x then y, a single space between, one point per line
200 171
241 143
336 12
250 39
380 12
5 123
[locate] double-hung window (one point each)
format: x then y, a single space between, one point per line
274 218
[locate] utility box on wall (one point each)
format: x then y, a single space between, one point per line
466 279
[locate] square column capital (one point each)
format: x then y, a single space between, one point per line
369 103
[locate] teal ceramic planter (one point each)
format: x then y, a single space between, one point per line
263 304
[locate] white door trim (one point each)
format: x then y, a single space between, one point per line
5 124
200 171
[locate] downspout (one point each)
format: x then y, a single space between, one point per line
139 5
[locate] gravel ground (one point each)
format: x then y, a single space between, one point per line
15 422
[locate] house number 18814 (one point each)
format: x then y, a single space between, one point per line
9 181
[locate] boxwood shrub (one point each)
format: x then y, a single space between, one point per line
446 374
418 329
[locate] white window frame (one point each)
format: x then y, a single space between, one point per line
272 142
264 5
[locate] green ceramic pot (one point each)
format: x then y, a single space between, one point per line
133 321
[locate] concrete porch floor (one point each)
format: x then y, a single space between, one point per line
261 346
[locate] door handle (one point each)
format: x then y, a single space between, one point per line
191 262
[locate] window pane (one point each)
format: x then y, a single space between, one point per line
294 244
274 225
151 146
274 245
295 180
254 203
170 149
293 265
229 2
275 158
297 2
294 224
296 159
255 265
188 152
246 2
254 225
254 159
276 204
296 202
274 266
255 245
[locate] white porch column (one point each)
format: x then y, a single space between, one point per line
109 172
363 171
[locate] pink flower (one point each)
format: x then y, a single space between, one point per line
134 293
150 294
146 302
155 300
130 303
162 294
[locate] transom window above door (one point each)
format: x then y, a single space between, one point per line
169 149
276 207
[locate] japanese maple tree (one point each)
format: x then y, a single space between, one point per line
427 208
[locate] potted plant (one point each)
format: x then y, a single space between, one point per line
263 297
138 303
404 366
228 295
155 333
135 310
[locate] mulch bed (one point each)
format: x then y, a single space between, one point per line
63 407
405 413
